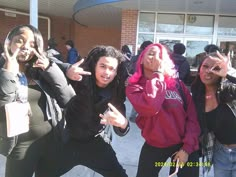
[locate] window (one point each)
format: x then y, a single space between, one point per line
146 22
227 26
170 23
200 24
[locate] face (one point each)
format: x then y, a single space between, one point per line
105 71
207 77
25 42
151 58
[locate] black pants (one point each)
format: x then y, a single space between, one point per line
152 159
23 160
95 154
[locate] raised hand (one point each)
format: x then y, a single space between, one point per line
220 67
42 61
11 63
113 117
75 72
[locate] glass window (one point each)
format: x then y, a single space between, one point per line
145 37
169 43
146 22
170 23
227 26
193 48
200 24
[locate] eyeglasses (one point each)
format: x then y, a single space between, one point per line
176 169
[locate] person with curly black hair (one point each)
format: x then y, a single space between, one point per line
90 115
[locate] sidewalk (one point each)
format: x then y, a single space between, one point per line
127 149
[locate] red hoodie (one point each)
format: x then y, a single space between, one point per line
161 114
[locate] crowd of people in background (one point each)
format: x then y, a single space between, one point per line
71 104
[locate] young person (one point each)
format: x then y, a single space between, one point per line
166 115
98 105
214 95
28 77
72 53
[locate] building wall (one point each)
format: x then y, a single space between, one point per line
129 22
88 37
63 29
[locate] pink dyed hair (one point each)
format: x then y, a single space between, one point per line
169 70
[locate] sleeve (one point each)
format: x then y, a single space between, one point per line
73 55
151 93
227 91
192 130
8 87
58 82
231 75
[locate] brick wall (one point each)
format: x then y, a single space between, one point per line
84 38
129 28
88 37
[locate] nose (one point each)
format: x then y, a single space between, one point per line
26 45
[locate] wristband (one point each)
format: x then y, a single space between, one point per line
159 72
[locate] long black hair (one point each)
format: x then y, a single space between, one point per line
38 45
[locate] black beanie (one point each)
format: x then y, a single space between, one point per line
179 48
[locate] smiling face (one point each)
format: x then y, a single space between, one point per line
207 77
105 71
25 42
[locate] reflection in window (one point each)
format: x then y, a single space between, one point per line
192 49
146 22
145 37
169 43
227 26
170 23
200 24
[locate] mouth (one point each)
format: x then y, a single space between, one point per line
105 78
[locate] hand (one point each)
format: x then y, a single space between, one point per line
182 156
11 63
220 67
42 61
75 72
113 117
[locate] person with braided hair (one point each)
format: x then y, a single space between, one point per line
97 106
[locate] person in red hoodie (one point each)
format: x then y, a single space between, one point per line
166 116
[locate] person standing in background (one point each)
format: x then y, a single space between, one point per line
72 54
52 51
180 61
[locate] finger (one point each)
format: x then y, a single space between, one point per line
103 121
6 45
16 53
113 108
85 73
79 62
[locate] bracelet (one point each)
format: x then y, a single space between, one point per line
159 72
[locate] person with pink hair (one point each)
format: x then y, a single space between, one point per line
166 115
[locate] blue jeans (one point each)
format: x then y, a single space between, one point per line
224 161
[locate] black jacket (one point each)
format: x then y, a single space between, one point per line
82 113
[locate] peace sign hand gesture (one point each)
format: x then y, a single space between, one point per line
75 72
11 63
42 61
